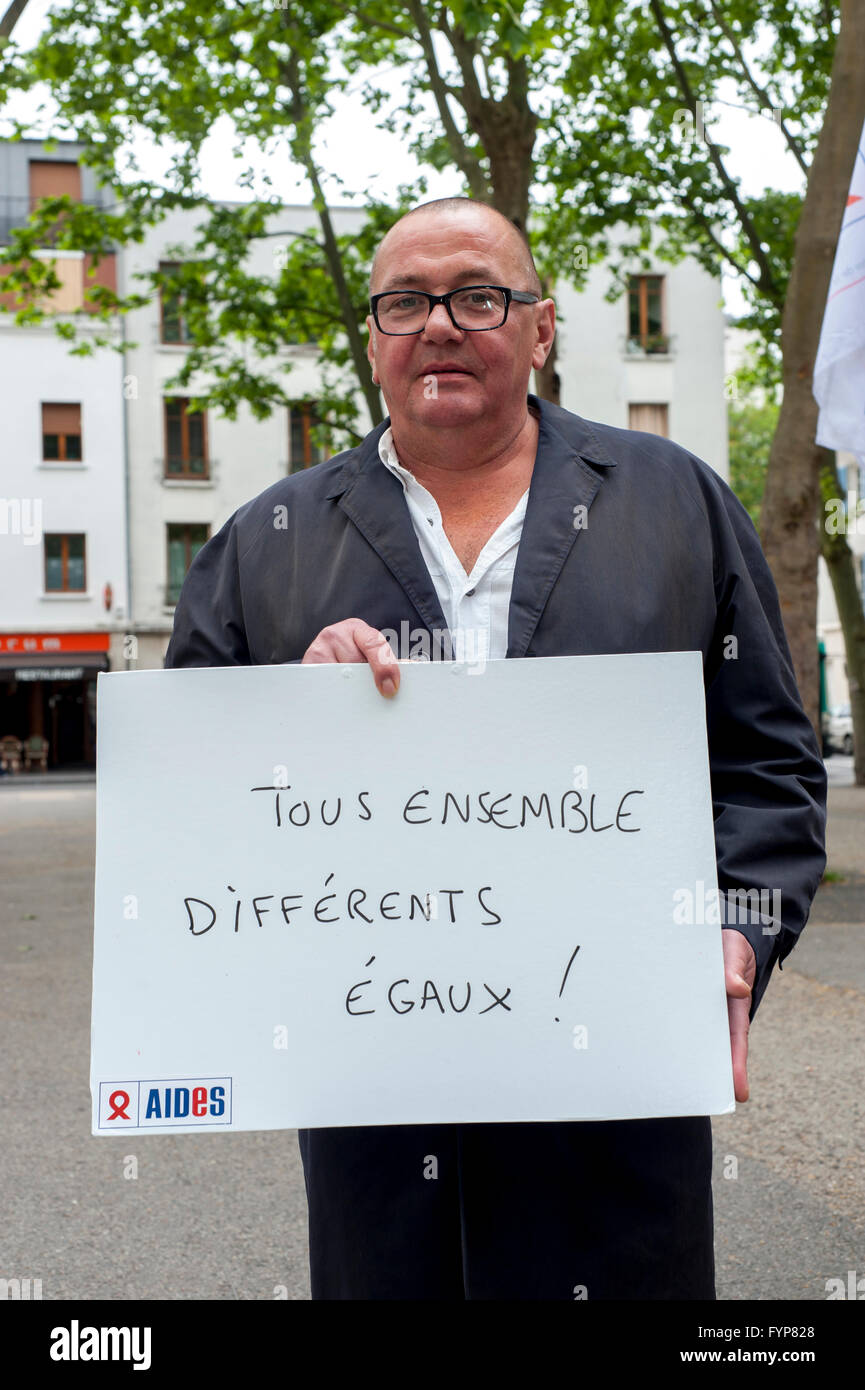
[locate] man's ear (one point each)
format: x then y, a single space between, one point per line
370 347
546 326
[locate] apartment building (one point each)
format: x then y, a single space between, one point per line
651 360
63 532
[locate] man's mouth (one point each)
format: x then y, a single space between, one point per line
445 369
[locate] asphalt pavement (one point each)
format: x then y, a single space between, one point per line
223 1216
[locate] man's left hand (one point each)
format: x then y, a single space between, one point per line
740 967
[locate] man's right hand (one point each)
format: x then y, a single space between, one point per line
355 640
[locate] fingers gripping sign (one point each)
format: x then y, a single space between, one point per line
353 640
740 967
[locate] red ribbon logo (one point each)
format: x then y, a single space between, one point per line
118 1100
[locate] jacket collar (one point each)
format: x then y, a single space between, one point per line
563 480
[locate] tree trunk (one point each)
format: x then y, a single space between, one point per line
512 167
11 18
362 367
301 148
841 563
790 534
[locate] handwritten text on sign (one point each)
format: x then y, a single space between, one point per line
455 905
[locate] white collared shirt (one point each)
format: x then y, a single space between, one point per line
475 606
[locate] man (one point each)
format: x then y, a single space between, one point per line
479 508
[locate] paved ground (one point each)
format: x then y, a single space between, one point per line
223 1216
795 1215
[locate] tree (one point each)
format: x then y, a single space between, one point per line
172 70
848 599
596 117
670 62
166 70
793 482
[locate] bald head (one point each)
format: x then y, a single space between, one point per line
511 236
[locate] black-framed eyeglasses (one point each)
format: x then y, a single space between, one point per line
472 308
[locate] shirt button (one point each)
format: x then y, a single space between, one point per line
469 593
431 521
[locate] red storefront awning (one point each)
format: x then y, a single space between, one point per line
28 644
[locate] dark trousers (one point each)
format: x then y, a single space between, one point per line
596 1210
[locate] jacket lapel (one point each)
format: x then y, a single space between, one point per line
562 482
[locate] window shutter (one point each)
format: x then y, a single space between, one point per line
61 419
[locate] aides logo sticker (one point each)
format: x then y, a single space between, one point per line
163 1104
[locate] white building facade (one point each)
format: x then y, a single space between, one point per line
190 471
651 360
63 530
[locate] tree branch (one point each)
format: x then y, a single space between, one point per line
11 17
373 23
302 149
760 93
468 165
518 81
725 254
766 282
487 79
300 236
465 51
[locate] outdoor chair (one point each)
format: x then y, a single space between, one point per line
36 753
10 753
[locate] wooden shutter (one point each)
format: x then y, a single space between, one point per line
61 419
49 178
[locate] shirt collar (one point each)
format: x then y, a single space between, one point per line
388 455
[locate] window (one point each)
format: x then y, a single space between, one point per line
65 571
649 417
61 433
302 450
184 542
185 440
173 324
58 178
646 328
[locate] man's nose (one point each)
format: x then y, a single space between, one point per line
439 326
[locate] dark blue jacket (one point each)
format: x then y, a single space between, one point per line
630 544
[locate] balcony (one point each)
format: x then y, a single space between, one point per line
652 345
15 212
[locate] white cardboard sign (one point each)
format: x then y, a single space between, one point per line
316 906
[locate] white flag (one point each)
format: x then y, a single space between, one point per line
839 372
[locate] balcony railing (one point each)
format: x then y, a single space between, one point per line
15 212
